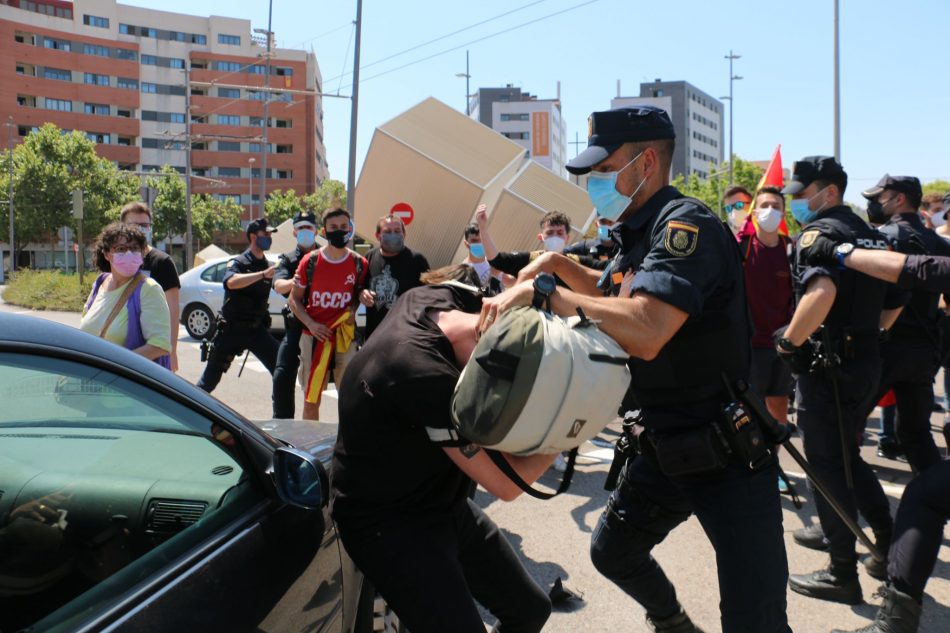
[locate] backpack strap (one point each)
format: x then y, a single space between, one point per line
510 472
132 286
95 290
358 262
311 265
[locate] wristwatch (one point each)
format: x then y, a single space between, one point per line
785 345
841 253
544 286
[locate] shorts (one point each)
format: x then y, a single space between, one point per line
339 361
770 375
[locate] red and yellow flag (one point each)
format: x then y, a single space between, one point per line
772 177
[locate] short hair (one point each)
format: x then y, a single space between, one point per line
912 198
334 212
470 230
134 207
663 147
111 234
929 199
556 218
389 218
773 190
453 272
840 181
735 190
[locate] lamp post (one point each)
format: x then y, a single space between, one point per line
354 113
837 94
732 77
250 187
468 108
270 39
9 124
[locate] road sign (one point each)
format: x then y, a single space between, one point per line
404 211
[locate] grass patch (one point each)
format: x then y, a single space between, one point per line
48 290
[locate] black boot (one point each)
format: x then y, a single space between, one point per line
890 449
875 568
900 613
812 537
836 583
679 623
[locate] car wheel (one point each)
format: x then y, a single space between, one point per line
199 321
374 615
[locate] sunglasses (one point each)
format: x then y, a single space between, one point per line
738 206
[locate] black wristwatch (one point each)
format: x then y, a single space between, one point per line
841 253
544 287
785 345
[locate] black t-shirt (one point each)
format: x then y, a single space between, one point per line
161 268
250 302
389 277
395 416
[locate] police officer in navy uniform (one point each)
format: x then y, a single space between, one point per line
681 315
245 319
837 387
600 248
288 355
910 354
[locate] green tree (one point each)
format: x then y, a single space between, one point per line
282 205
210 215
936 186
712 189
330 193
168 208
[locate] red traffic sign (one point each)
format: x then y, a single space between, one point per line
403 211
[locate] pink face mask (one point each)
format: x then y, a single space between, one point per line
126 264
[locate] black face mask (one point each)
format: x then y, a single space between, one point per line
337 239
876 212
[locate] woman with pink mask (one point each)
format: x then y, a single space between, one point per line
125 306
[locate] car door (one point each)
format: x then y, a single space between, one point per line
126 507
211 286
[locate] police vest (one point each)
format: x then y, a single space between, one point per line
919 320
250 302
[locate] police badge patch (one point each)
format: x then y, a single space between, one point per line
681 238
808 238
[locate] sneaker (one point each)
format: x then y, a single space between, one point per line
560 464
812 537
890 449
828 584
782 487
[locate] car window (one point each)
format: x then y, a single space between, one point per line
100 478
214 273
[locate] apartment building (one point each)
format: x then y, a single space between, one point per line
119 74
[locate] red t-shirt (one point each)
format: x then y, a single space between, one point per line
334 285
768 286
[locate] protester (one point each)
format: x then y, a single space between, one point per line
555 229
679 263
125 306
600 248
834 398
159 267
401 475
489 279
932 212
736 203
245 322
324 300
393 269
288 354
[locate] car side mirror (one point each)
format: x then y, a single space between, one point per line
300 478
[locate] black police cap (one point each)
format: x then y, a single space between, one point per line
608 130
260 224
907 185
305 217
812 168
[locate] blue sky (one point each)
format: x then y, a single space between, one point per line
894 97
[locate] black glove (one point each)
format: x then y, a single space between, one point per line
821 252
800 359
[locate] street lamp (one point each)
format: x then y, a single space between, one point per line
10 125
732 77
250 187
269 33
468 109
837 133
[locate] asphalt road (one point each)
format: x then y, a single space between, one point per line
553 536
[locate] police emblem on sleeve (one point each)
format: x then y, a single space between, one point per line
681 238
808 238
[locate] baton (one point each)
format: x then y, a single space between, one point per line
244 362
829 366
781 434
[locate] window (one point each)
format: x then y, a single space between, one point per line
287 123
127 83
175 62
214 274
59 104
96 80
257 69
98 137
229 93
125 114
96 108
522 136
255 95
229 172
56 45
149 60
94 20
150 88
282 71
232 40
521 116
92 49
229 146
199 39
124 53
284 174
58 74
285 149
255 121
231 67
176 117
229 119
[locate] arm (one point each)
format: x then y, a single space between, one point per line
578 277
171 299
481 218
814 306
154 320
480 468
283 286
243 280
295 302
889 317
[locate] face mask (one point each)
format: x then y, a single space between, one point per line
306 237
876 213
337 239
938 220
148 235
737 218
264 243
554 243
603 233
126 264
477 250
802 212
769 218
392 242
602 189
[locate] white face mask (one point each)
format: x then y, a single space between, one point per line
554 243
938 219
769 218
737 218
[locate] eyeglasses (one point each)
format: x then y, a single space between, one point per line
125 248
142 225
738 206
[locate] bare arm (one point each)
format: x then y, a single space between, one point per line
283 286
481 218
889 317
814 306
295 301
886 265
481 469
171 298
150 352
578 277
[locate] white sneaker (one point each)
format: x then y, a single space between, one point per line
560 464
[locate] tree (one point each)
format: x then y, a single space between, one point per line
711 190
210 215
330 193
168 208
936 186
282 205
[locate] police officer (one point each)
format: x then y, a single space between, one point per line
600 248
834 396
683 319
288 355
245 319
910 355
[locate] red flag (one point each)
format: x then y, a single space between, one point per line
772 177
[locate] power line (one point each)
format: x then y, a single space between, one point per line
441 37
330 32
346 57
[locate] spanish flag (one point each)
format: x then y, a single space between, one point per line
771 177
323 353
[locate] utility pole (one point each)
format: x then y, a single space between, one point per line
189 234
10 125
354 111
467 75
732 77
837 94
576 143
270 40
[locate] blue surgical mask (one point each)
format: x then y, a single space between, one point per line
264 243
602 189
603 233
802 212
148 235
306 237
477 250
